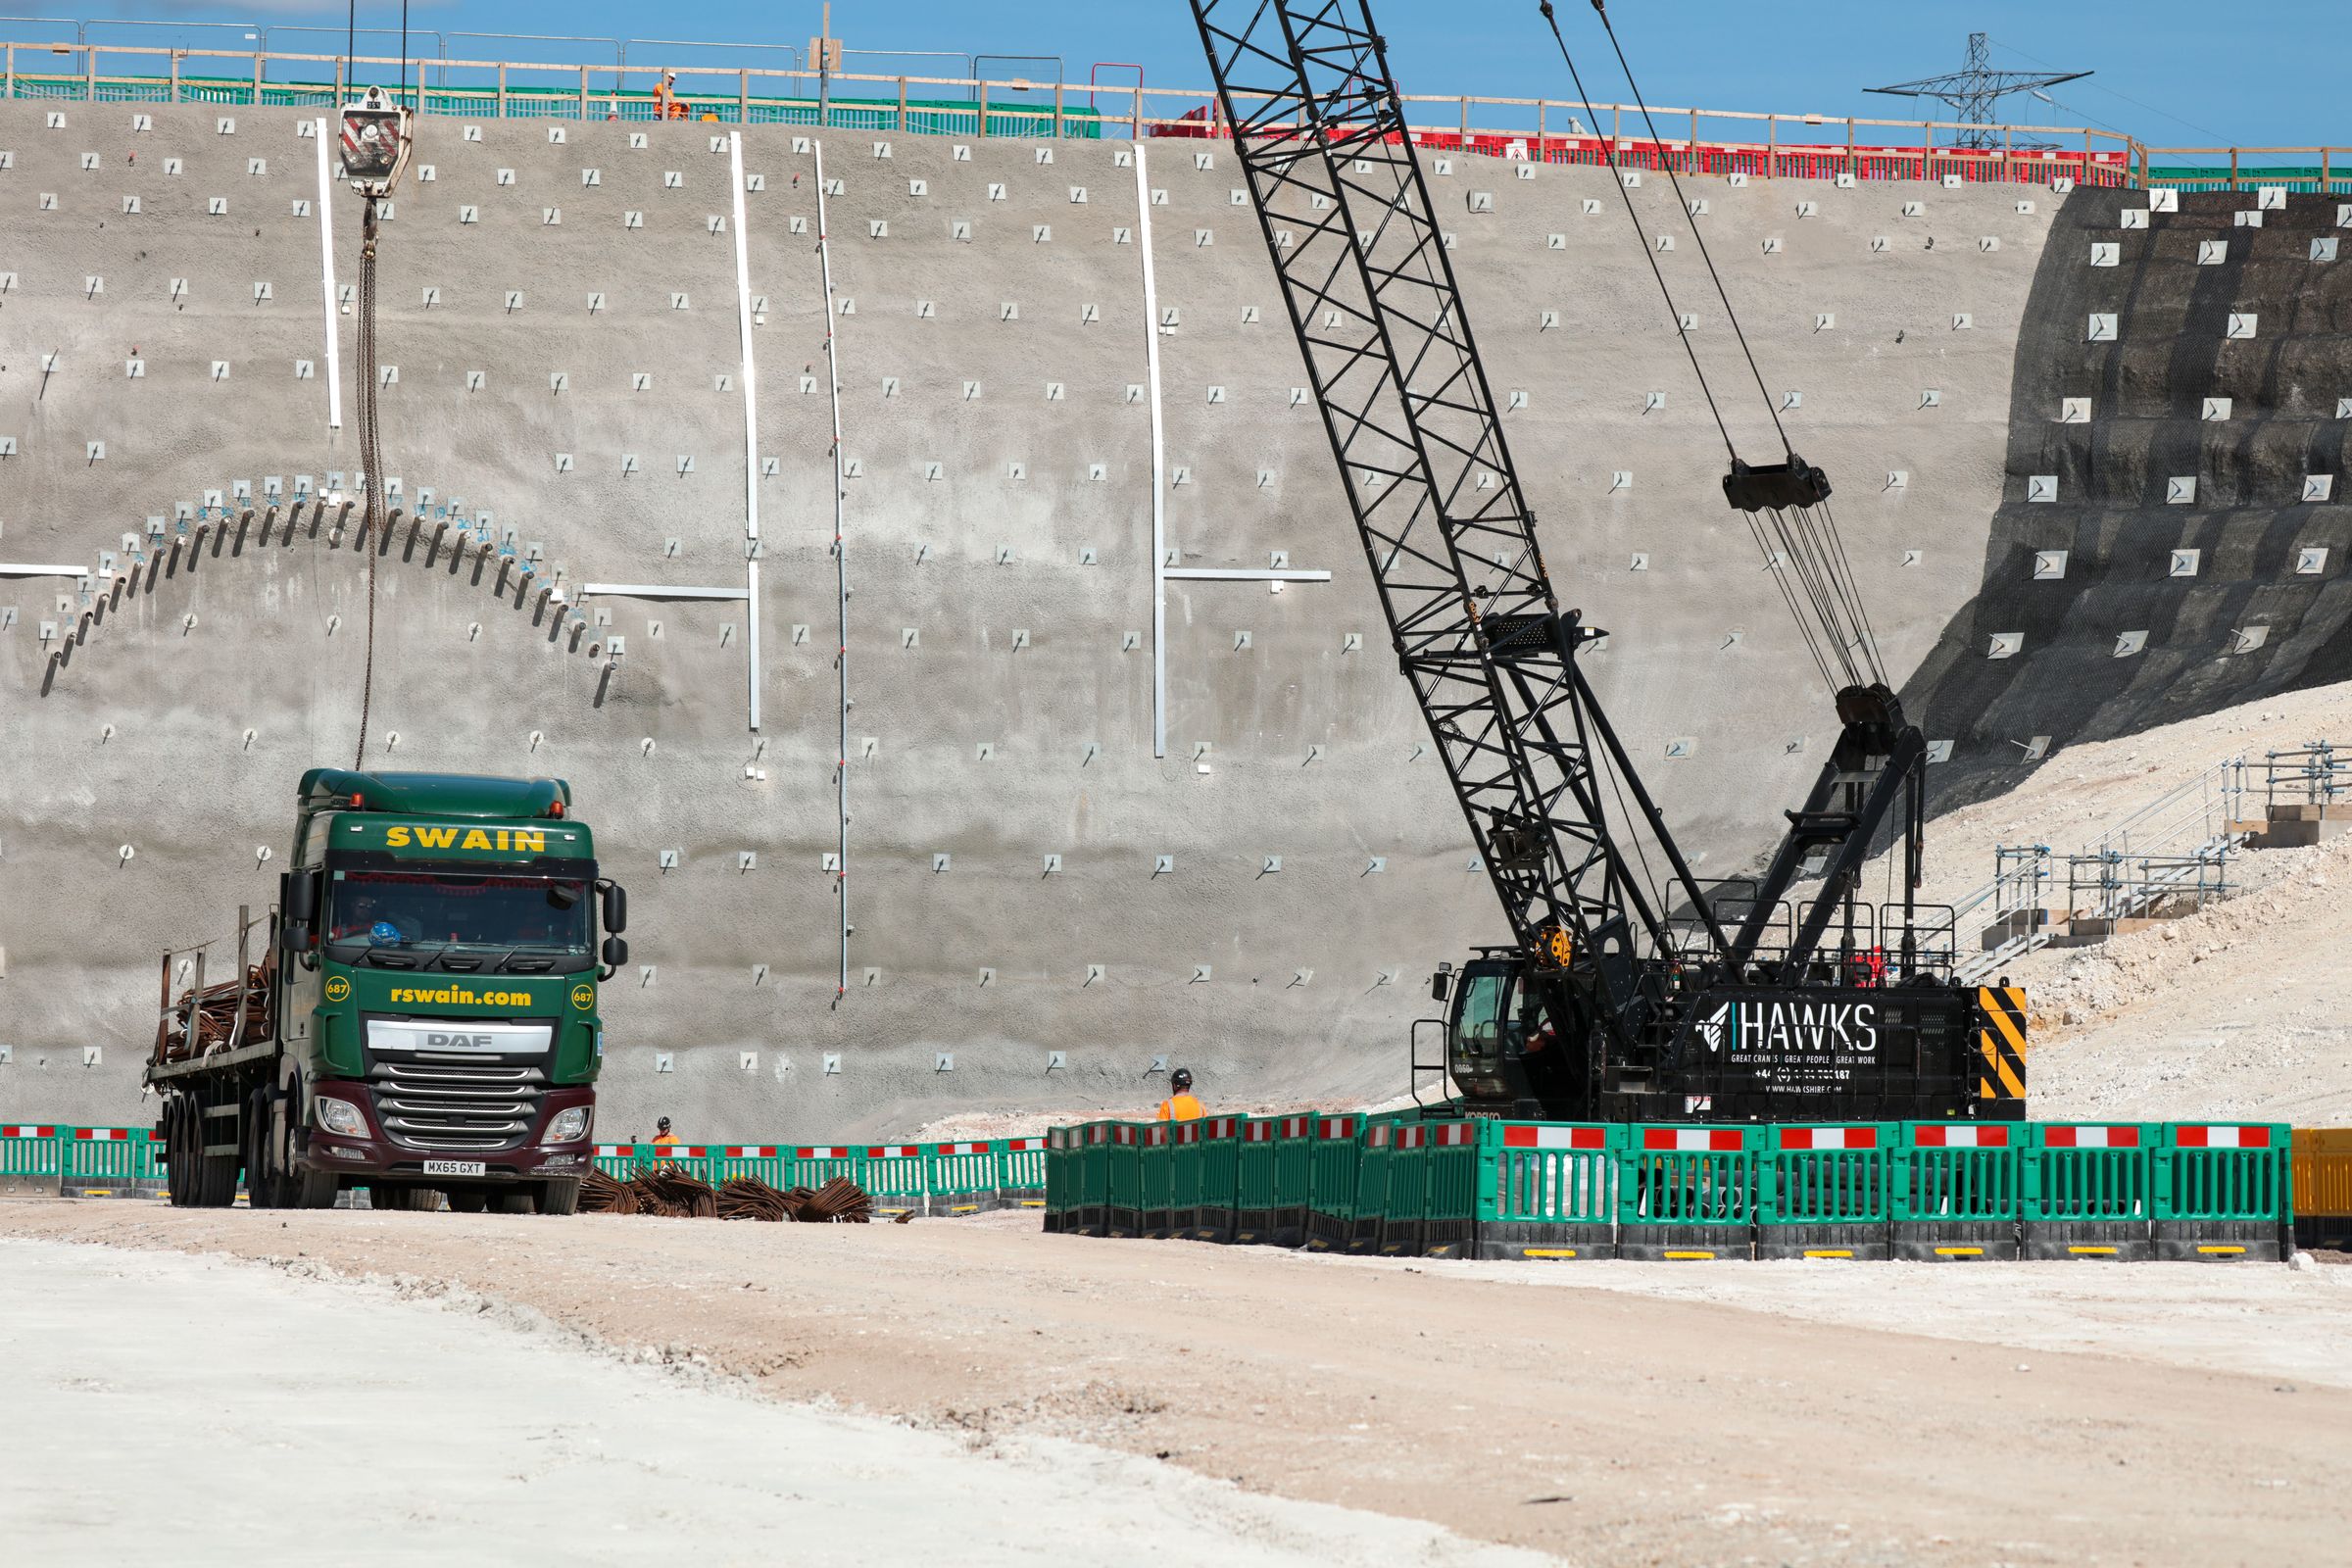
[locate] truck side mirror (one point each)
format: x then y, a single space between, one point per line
615 952
617 908
298 909
1440 983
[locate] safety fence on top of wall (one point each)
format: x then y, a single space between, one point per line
1699 141
1924 1191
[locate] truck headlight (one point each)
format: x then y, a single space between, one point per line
341 1116
569 1126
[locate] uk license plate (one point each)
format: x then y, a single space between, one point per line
455 1167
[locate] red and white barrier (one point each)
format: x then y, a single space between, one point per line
2221 1137
1827 1137
1693 1140
2090 1137
1520 1135
1971 1134
28 1131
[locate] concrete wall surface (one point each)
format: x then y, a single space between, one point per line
557 361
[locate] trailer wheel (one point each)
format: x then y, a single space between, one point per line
518 1202
467 1200
396 1200
261 1186
216 1175
180 1167
562 1196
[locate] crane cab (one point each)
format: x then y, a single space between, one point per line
1493 1016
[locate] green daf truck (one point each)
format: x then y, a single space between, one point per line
422 1016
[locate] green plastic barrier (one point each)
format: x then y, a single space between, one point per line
2225 1190
814 1164
2091 1189
1404 1194
1293 1179
1450 1190
766 1162
1378 1146
1335 1163
1253 1182
1547 1190
894 1179
1155 1176
1207 1175
1688 1194
1124 1188
1827 1190
1093 1163
1061 1179
961 1178
621 1161
30 1160
1021 1172
1959 1190
110 1157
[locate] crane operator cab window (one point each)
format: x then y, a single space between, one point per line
1489 1028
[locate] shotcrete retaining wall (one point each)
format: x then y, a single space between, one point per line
992 336
2173 531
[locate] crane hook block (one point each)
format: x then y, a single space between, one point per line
376 136
1556 946
1774 485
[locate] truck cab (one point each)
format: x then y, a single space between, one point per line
432 1000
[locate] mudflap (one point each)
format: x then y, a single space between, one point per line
2093 1241
2218 1241
1545 1243
1988 1241
1683 1244
1863 1242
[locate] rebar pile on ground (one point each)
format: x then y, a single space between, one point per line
601 1194
670 1193
216 1018
749 1197
840 1202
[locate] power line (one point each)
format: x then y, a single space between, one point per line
2201 130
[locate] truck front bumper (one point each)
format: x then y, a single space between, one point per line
378 1156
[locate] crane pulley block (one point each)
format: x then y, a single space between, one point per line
1770 486
377 134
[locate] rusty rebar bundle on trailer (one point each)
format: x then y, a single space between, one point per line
206 1019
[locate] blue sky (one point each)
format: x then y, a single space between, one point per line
2172 71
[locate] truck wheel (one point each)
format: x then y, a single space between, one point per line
216 1175
262 1185
517 1203
179 1165
395 1200
309 1188
558 1196
467 1200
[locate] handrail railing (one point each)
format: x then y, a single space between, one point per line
1769 143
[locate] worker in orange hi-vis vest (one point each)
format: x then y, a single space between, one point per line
663 1138
1182 1106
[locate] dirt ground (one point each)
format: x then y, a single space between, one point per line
1617 1413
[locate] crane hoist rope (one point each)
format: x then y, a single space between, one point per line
1786 507
377 137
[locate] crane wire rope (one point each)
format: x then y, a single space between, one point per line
374 527
1812 548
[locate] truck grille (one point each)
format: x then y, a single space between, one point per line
474 1106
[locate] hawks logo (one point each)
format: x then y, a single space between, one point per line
1712 1027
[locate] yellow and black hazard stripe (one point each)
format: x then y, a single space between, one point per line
2001 1044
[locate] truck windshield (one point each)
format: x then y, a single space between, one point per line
407 915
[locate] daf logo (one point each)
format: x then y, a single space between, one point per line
438 1042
